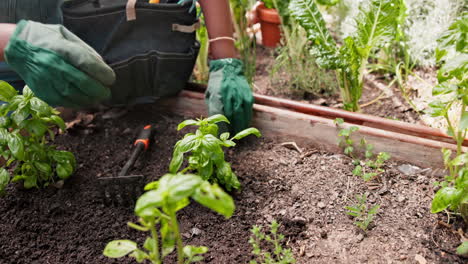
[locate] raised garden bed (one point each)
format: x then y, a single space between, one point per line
306 192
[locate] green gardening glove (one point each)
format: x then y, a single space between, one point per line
229 93
58 67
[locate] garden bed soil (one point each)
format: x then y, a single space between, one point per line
383 102
305 193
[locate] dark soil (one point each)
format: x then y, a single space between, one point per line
373 101
305 193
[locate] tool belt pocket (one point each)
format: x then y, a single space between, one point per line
151 47
152 75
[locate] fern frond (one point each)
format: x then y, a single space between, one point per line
323 47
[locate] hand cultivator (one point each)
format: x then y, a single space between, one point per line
123 189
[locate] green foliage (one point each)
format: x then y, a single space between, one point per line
376 24
26 130
205 151
454 190
371 166
426 21
328 2
158 207
245 45
452 54
462 250
202 70
323 47
362 215
295 67
269 3
394 58
274 255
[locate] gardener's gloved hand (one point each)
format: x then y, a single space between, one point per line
229 93
59 67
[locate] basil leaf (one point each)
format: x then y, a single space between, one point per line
4 180
246 132
36 127
40 107
64 157
59 122
64 170
15 144
189 122
19 115
213 197
43 167
444 198
7 92
139 255
119 248
5 121
217 118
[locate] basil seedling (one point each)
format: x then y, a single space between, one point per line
206 156
26 130
158 208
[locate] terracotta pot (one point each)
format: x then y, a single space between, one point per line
270 25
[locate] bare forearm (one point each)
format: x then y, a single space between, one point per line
219 24
6 30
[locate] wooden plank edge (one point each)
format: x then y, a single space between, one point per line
350 117
319 132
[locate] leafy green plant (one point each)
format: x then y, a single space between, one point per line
26 131
158 207
427 20
206 156
244 43
345 137
371 166
376 24
362 215
202 70
295 68
462 250
279 255
394 57
452 89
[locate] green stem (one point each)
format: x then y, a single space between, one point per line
461 136
185 170
277 248
154 234
175 226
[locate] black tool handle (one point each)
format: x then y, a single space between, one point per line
141 144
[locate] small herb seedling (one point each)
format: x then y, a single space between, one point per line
206 156
362 215
26 130
158 208
280 255
345 134
369 168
